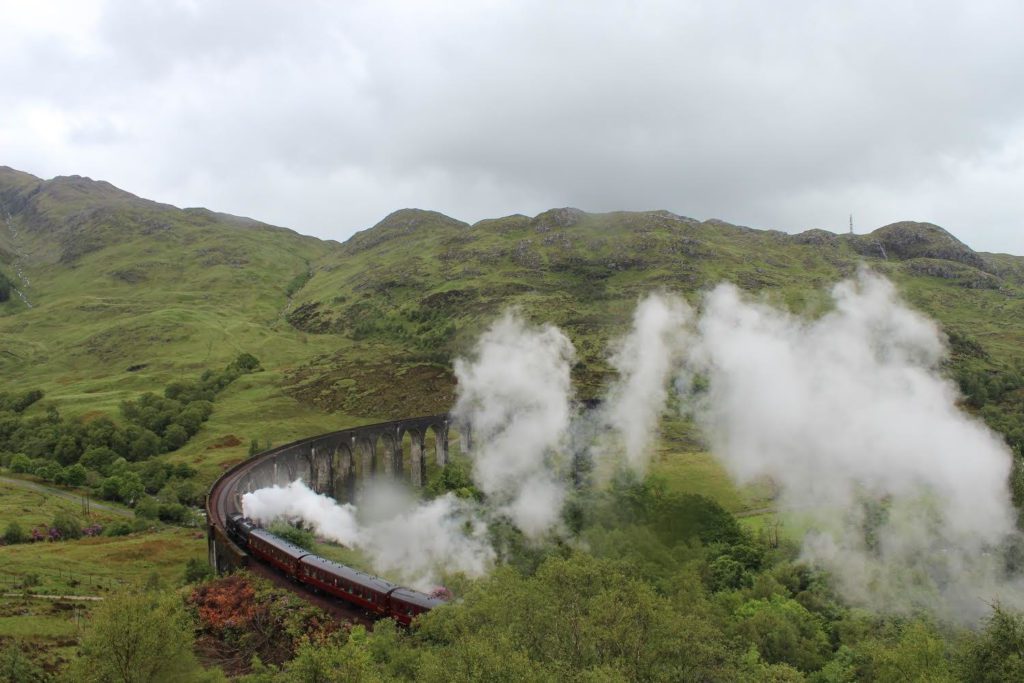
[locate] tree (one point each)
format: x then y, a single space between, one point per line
175 437
784 632
21 463
137 637
97 458
725 573
143 444
67 450
997 653
48 471
246 362
75 475
915 653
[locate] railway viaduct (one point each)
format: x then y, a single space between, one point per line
332 464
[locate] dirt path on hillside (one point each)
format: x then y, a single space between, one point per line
61 598
66 495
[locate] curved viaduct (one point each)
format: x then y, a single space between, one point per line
332 464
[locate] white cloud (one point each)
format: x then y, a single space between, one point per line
326 117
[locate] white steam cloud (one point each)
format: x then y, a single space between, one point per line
416 543
516 393
850 416
646 359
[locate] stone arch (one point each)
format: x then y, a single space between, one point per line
429 452
454 441
389 453
321 466
367 447
344 470
408 442
435 448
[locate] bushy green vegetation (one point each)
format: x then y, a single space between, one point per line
17 667
115 457
646 601
294 534
139 636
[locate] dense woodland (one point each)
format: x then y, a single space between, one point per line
667 588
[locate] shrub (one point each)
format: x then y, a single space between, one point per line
20 463
14 534
16 666
48 471
245 362
197 570
19 404
172 513
300 537
66 525
147 508
118 529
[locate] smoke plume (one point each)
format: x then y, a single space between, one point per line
904 494
646 360
416 543
850 416
515 391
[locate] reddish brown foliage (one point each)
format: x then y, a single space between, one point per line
225 603
227 441
240 617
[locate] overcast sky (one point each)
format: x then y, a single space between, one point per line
326 116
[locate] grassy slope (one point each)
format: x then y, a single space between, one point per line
35 508
118 282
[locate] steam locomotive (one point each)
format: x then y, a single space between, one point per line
372 593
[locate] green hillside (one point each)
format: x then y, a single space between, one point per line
111 295
419 287
105 296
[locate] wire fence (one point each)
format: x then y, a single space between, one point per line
63 582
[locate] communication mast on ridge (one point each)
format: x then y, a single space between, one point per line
851 223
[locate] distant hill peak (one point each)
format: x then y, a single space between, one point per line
909 240
411 219
402 223
557 218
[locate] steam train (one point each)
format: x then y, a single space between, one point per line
372 593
